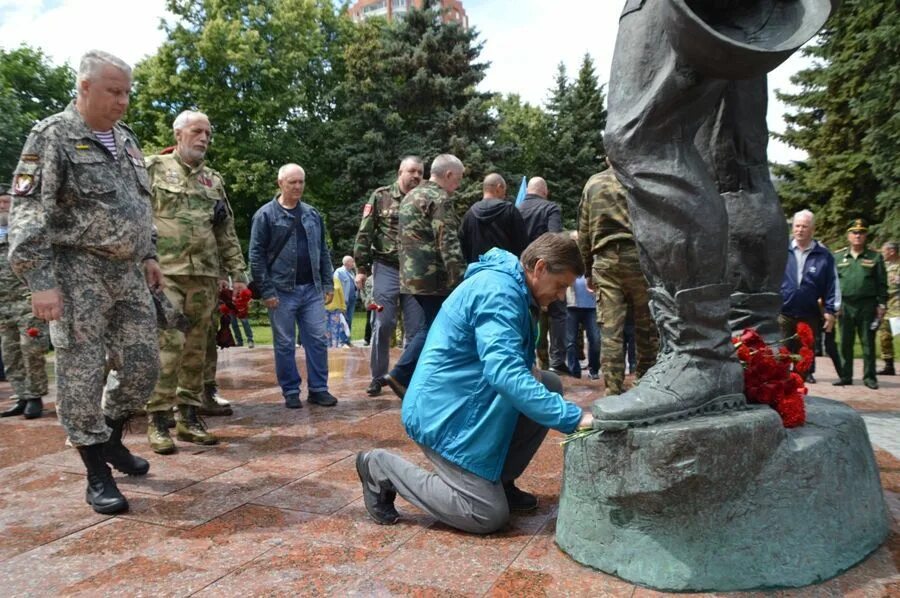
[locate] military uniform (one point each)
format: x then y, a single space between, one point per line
431 264
24 337
605 240
81 223
376 254
196 243
863 288
885 338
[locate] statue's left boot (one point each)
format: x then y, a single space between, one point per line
696 372
758 311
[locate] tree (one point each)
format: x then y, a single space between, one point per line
522 134
264 72
31 89
847 119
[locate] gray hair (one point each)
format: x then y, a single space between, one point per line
411 158
347 259
890 245
805 214
94 60
182 120
283 170
446 163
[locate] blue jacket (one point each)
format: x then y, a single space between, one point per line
801 298
473 378
271 224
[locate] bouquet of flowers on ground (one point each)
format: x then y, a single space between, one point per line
773 375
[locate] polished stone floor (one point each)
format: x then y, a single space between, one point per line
276 508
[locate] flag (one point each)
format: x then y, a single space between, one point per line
521 196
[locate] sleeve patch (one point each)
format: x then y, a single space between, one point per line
23 184
367 210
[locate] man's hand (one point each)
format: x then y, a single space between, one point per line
329 297
223 284
829 322
153 274
589 283
271 302
587 421
360 280
47 305
239 287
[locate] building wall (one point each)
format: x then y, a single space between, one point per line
388 9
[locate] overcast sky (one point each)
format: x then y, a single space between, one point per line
524 40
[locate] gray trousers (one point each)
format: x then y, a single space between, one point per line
455 496
386 293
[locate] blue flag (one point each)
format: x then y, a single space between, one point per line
521 196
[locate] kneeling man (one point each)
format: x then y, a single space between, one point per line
475 405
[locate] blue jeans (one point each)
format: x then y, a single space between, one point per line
587 317
236 331
406 365
304 307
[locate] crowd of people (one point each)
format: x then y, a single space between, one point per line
104 244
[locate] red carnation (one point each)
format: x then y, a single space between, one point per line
792 410
246 294
223 309
805 333
33 332
806 360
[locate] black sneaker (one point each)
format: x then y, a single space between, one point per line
810 379
374 388
323 398
869 384
292 401
380 505
395 385
519 500
562 370
842 383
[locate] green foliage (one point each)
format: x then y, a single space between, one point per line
848 120
31 88
522 134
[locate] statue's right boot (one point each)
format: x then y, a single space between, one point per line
158 432
758 311
102 493
696 372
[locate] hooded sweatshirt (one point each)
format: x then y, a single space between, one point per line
492 223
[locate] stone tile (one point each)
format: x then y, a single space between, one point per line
352 526
326 491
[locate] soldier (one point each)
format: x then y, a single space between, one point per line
606 240
885 338
24 337
864 294
80 232
431 261
376 255
196 242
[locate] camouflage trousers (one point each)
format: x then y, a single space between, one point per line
23 353
885 338
108 320
182 356
619 283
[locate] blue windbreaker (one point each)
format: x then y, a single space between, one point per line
473 378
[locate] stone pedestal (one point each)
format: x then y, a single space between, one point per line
725 502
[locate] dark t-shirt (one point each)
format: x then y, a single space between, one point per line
304 268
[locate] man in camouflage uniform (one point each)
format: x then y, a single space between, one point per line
80 231
23 336
196 242
863 298
885 338
375 252
431 260
606 240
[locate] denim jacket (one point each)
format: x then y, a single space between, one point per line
270 225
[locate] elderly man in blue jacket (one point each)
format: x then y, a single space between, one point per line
476 406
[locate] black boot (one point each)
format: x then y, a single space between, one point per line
34 408
888 369
17 409
116 454
102 493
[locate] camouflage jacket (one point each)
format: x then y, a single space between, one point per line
185 200
893 287
431 261
602 215
378 230
70 193
12 288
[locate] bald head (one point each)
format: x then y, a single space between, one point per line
537 186
494 186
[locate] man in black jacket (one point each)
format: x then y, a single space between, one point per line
492 222
543 216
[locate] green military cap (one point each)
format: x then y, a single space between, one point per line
858 226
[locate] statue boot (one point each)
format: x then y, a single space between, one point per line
756 310
213 403
696 371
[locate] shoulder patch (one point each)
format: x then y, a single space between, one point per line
23 184
367 210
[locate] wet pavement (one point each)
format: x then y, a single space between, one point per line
276 507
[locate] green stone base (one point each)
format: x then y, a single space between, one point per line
725 502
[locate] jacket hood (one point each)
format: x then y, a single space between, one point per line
488 210
500 260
